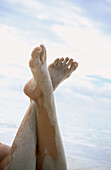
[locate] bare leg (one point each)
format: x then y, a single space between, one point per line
22 154
50 148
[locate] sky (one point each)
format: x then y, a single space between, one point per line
74 28
78 29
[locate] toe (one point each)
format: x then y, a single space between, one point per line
36 52
73 67
43 53
56 61
69 62
66 60
61 60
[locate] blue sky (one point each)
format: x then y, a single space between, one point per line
97 10
75 28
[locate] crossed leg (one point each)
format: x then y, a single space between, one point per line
59 67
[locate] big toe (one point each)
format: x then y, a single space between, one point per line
36 52
73 67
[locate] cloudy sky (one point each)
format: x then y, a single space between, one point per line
75 28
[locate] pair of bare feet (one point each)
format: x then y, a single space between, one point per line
52 76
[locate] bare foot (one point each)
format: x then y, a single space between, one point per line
41 82
61 69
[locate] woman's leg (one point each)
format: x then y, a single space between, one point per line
50 148
22 154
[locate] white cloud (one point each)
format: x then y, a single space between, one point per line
108 1
13 47
93 47
58 11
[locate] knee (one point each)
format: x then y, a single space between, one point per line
4 151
